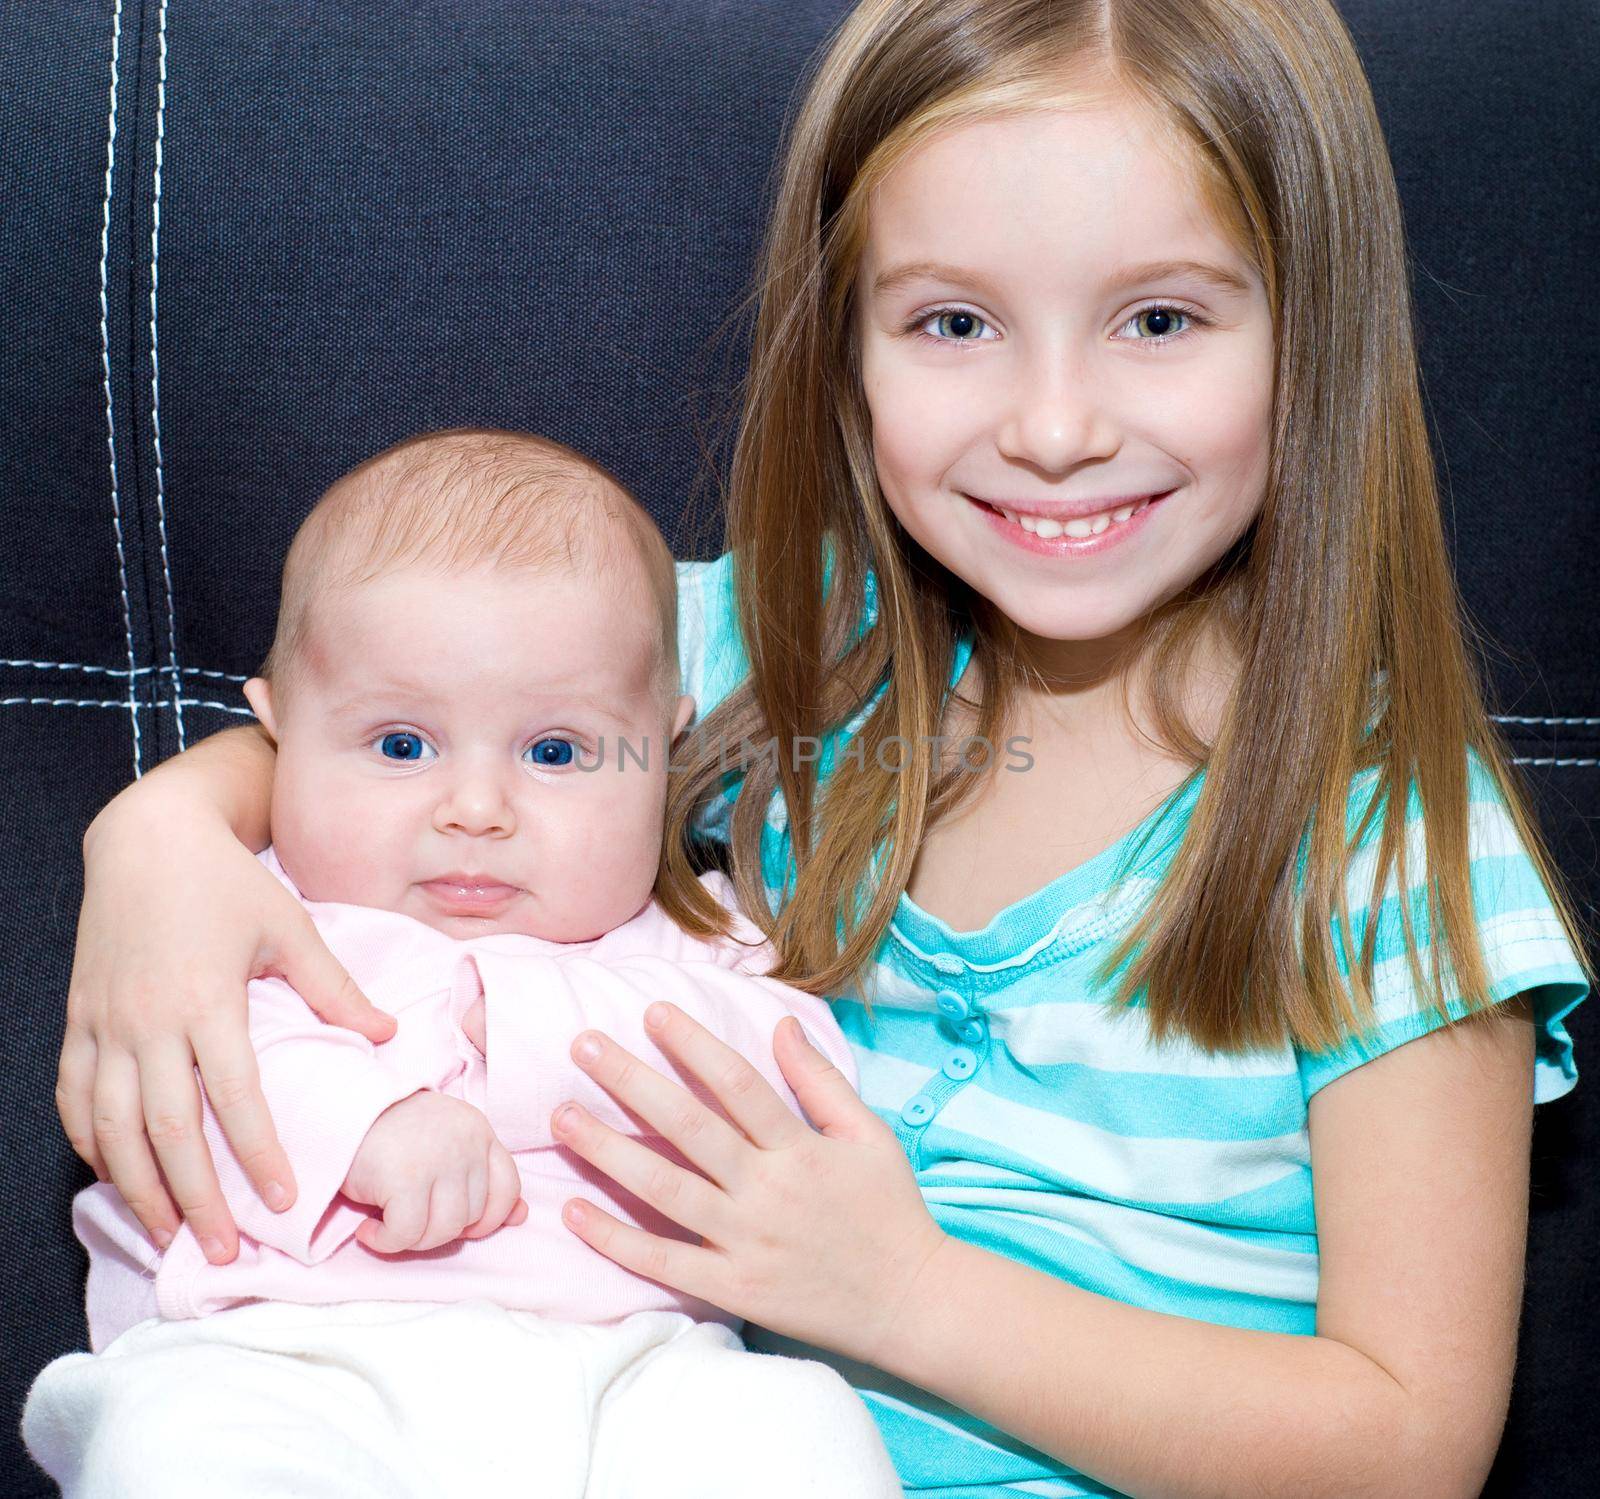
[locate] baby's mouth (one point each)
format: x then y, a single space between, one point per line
470 895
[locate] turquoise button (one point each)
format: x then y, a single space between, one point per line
919 1110
961 1063
973 1031
952 1004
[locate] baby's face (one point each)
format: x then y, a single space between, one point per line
449 749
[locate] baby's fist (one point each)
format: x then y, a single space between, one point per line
437 1172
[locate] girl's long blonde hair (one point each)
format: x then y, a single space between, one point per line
1344 580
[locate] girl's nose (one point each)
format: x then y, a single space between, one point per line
477 804
1056 417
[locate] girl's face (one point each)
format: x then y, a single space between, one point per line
1022 350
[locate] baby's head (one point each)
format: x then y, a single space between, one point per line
472 623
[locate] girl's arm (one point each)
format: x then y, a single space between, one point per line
1420 1160
232 770
178 915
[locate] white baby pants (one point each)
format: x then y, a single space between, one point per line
388 1400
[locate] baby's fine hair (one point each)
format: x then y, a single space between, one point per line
466 497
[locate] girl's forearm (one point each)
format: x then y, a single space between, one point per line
1150 1403
230 771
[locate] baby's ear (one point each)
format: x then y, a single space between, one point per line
683 716
258 693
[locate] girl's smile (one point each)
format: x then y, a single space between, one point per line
1083 536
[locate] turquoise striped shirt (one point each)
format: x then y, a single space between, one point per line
1049 1129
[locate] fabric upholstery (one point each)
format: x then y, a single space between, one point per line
248 244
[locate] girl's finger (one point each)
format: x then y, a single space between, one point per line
831 1104
232 1077
309 968
689 1268
678 1194
75 1095
119 1132
675 1114
171 1099
747 1098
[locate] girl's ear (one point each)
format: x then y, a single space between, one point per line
683 716
258 693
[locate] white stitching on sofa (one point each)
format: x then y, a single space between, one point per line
230 676
1506 718
120 671
112 702
105 366
155 366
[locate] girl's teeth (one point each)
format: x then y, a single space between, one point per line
1091 526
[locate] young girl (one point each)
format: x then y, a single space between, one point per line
1083 415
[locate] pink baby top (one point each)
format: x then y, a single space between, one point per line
326 1086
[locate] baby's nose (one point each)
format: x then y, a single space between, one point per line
478 804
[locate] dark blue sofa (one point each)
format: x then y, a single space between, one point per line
247 244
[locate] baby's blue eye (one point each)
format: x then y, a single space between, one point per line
551 751
403 746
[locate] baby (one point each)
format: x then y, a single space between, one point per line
473 689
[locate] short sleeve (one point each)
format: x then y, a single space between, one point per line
1524 946
711 655
712 662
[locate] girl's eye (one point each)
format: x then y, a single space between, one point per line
962 324
403 746
552 751
1162 314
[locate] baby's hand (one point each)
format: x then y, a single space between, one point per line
474 1026
434 1167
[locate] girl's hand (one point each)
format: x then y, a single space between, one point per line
436 1171
817 1236
177 917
